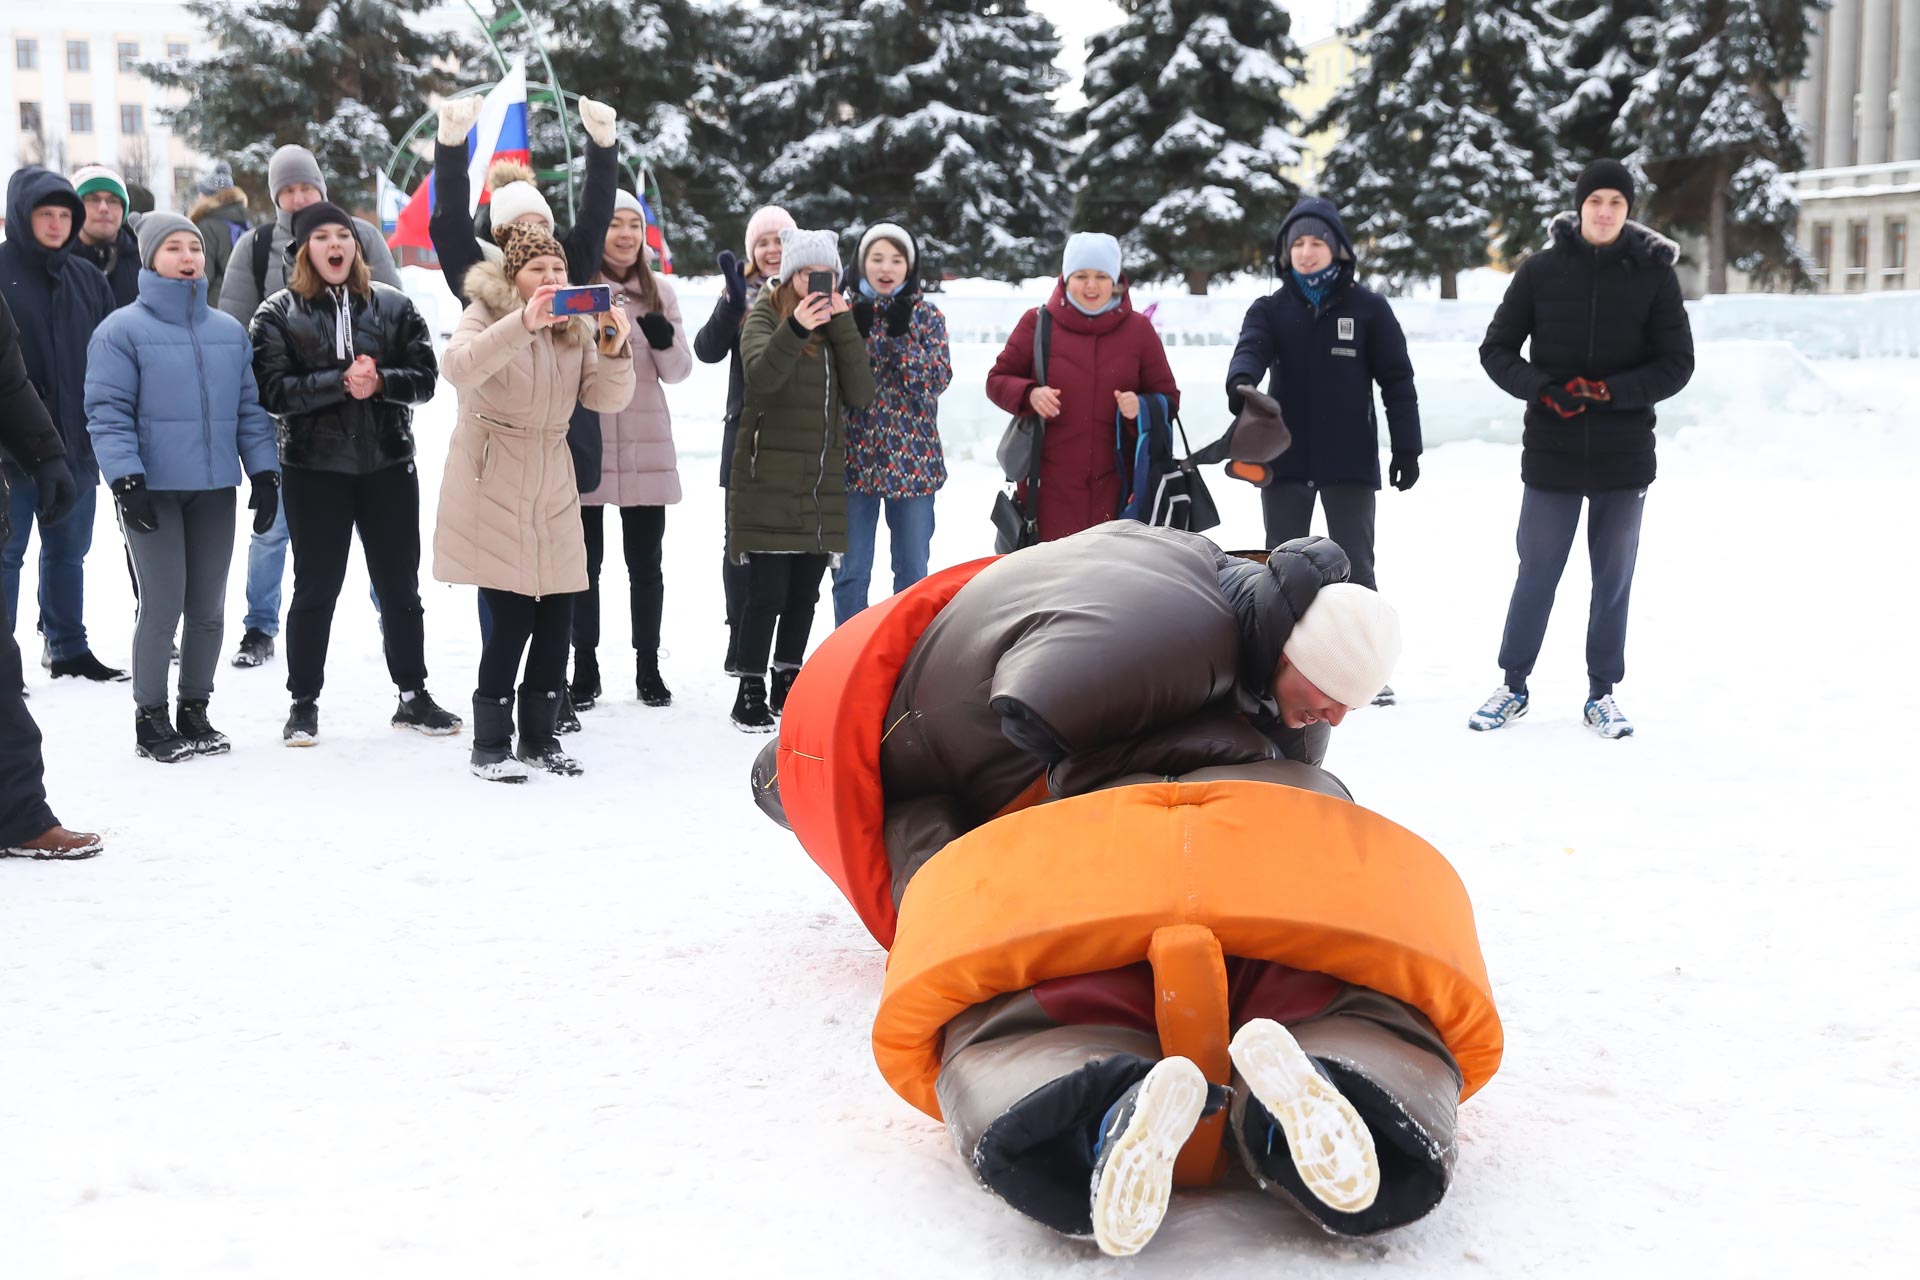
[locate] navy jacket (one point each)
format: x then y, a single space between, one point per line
1612 314
1324 362
119 262
57 300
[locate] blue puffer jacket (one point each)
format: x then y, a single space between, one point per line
170 392
1324 362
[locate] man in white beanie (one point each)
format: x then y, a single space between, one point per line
256 270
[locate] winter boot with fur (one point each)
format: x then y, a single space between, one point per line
492 756
652 689
539 711
750 711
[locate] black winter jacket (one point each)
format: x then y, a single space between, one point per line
1614 315
1324 362
119 262
299 364
27 436
719 339
57 301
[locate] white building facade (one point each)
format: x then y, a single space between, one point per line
69 93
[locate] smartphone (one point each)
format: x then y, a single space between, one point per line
586 300
820 282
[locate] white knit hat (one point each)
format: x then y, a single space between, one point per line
808 251
517 199
1346 643
770 218
889 231
624 199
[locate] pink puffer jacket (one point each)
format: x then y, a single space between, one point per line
637 462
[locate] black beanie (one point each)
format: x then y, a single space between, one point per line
1603 175
317 215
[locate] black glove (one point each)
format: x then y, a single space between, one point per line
863 316
136 504
735 277
1405 471
264 501
1563 402
57 494
900 313
659 330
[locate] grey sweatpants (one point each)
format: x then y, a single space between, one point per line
181 567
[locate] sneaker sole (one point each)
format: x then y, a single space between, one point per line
217 749
1330 1145
426 731
754 728
299 740
145 754
1611 737
1483 726
55 855
502 772
1136 1176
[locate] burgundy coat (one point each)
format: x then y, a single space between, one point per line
1090 358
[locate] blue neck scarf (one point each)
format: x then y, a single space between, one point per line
868 291
1315 286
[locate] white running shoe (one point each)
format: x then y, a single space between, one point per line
1329 1142
1499 710
1605 718
1133 1177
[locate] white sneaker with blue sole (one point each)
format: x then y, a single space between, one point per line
1605 718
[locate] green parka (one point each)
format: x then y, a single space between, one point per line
788 490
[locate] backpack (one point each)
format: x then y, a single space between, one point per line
262 253
1157 488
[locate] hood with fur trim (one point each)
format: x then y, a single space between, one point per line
487 284
1637 240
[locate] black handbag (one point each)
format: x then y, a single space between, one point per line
1186 501
1016 509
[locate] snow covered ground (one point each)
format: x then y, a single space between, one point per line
349 1012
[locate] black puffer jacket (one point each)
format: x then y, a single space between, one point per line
27 435
300 364
719 339
1614 315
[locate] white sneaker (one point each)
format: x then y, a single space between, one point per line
1329 1142
1605 718
1133 1178
1499 710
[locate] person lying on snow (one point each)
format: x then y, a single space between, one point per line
1129 654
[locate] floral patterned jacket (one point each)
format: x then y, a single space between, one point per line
893 445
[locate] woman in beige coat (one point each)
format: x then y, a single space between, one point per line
509 519
638 472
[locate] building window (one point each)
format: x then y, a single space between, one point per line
129 55
1823 249
130 121
26 55
30 117
77 59
176 50
1857 233
1894 274
80 117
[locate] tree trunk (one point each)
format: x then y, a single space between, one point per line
1717 232
1449 283
1197 278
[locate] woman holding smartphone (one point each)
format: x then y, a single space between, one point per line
803 361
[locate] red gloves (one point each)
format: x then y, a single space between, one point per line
1571 400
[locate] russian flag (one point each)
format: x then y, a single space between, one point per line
656 238
499 134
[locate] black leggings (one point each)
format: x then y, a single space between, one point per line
518 619
782 593
641 529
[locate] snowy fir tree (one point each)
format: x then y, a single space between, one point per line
1610 45
1448 152
1717 134
665 68
936 114
343 77
1188 129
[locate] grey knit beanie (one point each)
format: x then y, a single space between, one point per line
291 164
218 179
808 251
154 230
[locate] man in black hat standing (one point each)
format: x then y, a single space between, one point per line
1610 340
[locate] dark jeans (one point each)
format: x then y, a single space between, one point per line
23 795
641 529
782 593
63 551
1548 519
1288 508
522 623
324 508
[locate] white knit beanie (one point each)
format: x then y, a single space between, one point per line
624 199
898 235
770 218
808 251
516 199
1346 643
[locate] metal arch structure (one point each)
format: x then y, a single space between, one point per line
403 169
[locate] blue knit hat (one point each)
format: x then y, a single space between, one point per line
1091 251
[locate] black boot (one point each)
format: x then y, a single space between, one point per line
568 721
303 724
585 689
653 690
492 757
203 737
733 650
539 710
783 678
750 713
154 738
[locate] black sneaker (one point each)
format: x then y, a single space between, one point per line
303 724
585 689
568 721
783 679
750 713
255 648
201 736
87 667
652 689
154 738
423 715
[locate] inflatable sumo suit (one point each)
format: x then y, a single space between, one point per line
1055 787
